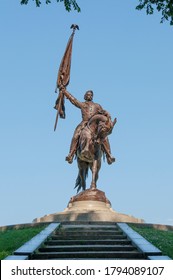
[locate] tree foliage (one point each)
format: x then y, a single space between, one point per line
163 6
69 4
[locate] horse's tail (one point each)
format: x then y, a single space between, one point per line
81 179
78 183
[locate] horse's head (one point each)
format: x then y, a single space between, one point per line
105 127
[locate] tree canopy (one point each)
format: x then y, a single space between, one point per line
163 6
69 4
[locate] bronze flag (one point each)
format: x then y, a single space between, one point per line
64 77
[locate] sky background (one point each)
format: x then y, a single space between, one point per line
126 58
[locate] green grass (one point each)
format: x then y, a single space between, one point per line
161 239
12 239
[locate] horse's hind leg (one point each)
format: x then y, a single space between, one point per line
94 174
98 169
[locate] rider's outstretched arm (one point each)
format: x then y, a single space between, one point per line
72 99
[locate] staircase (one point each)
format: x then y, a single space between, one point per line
87 240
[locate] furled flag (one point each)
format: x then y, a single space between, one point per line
64 77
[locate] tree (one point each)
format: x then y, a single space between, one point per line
163 6
69 4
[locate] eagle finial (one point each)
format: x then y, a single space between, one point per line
74 26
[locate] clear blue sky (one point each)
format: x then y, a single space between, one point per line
126 58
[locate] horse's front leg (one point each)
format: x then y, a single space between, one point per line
94 172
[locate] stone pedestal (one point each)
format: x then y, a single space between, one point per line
90 206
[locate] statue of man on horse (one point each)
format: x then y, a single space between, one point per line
88 110
90 139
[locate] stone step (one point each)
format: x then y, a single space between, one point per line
88 242
88 237
87 223
88 248
88 227
88 255
88 232
100 258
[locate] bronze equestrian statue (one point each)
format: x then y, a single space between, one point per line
90 139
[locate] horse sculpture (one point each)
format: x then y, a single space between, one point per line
89 152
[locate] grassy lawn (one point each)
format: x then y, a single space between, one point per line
161 239
12 239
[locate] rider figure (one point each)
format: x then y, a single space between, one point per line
88 109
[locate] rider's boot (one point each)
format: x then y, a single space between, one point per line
72 152
107 150
110 159
69 158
